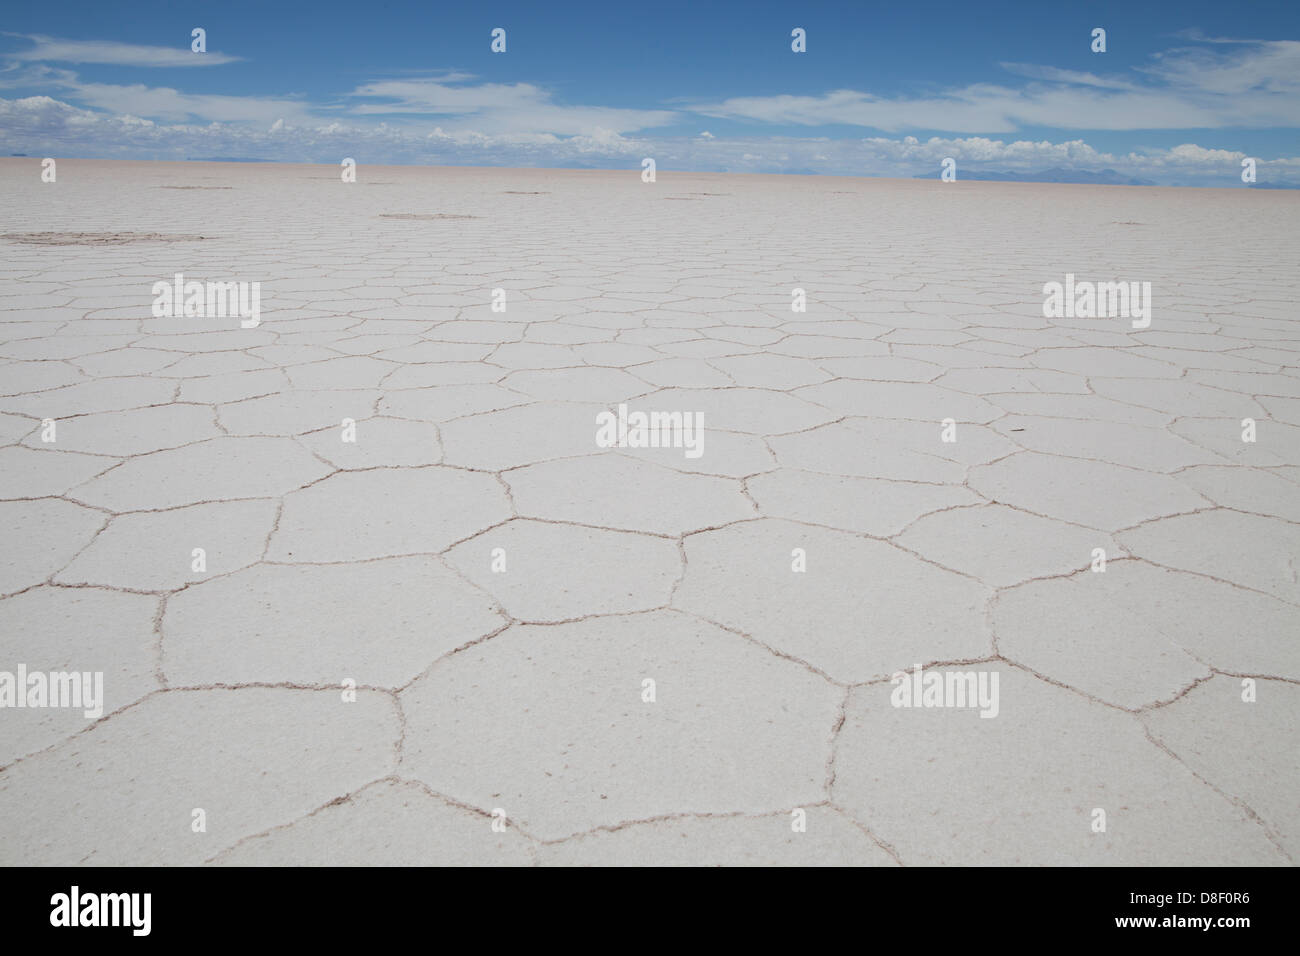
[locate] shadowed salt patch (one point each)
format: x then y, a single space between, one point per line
94 238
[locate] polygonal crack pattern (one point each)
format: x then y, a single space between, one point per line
365 588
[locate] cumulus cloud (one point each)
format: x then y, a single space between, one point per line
453 117
47 126
44 126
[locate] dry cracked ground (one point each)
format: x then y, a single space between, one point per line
500 587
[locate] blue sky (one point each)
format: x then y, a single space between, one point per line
1184 90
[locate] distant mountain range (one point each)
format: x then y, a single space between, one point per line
1057 174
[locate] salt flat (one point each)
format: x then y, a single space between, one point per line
476 613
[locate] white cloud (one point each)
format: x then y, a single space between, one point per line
452 117
1193 155
43 126
1264 68
489 108
498 107
159 102
435 96
1255 85
1055 75
52 50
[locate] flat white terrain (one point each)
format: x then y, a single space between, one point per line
640 655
